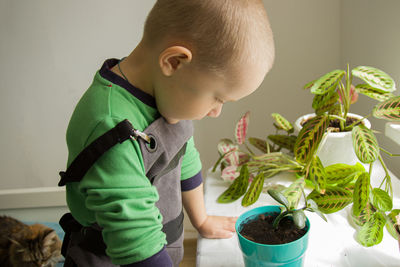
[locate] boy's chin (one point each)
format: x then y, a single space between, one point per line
171 121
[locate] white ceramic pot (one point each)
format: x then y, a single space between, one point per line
336 147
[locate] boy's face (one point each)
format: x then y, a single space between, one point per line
192 94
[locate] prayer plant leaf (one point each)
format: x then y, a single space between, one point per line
284 141
294 191
317 175
324 83
325 102
381 200
341 173
364 216
309 138
237 188
254 191
313 207
241 128
371 233
230 173
388 110
375 78
390 223
365 144
299 219
279 197
282 123
260 144
333 200
361 193
373 93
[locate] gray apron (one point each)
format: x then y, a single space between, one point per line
162 161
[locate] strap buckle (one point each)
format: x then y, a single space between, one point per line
136 134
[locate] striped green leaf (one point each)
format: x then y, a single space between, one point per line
365 144
371 233
390 223
364 215
325 102
237 188
317 175
388 110
375 78
282 123
333 200
325 83
294 191
254 191
309 138
381 200
341 173
361 193
373 93
284 141
260 144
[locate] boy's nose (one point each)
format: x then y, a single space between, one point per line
215 111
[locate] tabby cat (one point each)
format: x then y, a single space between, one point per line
24 245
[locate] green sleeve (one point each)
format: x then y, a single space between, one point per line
122 199
191 164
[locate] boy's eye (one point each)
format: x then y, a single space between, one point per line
219 100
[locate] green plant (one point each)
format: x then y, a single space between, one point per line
331 187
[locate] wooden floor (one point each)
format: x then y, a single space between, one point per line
189 258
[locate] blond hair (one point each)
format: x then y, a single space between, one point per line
219 32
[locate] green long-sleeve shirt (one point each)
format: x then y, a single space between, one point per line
115 192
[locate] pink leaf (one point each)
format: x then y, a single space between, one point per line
241 128
230 173
353 95
232 158
226 145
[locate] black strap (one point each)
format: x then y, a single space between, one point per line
82 163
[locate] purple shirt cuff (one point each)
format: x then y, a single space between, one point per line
191 183
161 259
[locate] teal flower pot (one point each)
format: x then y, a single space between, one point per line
255 254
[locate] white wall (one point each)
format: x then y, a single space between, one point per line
50 50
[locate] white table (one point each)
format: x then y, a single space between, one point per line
330 244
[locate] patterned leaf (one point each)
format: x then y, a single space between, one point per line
254 191
388 110
364 216
309 138
285 141
365 144
230 173
340 173
323 103
324 83
361 193
371 233
381 200
317 175
241 128
334 199
390 223
373 93
237 188
294 191
282 123
375 78
259 144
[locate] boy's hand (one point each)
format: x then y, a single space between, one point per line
217 227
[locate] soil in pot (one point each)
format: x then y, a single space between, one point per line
260 230
334 125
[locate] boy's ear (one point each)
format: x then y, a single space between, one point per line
173 58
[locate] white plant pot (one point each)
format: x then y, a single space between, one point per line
336 147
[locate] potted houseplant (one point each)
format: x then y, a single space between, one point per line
331 186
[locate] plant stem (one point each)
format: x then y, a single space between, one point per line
387 177
390 154
220 159
357 122
279 218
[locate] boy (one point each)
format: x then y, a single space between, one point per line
194 56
